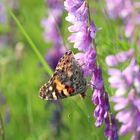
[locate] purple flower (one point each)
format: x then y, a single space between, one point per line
97 81
78 15
88 61
113 60
127 97
128 11
111 128
81 39
52 34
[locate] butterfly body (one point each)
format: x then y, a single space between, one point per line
67 80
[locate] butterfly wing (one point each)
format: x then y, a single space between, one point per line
68 80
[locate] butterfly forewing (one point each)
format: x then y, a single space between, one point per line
67 80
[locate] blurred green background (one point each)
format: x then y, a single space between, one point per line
24 115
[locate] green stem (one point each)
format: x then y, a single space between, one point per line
32 45
89 17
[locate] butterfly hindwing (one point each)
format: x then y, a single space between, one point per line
67 80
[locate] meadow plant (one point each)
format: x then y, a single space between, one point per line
128 11
83 34
126 83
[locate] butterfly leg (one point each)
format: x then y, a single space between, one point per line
82 95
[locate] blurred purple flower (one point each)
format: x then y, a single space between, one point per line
53 55
128 11
127 96
113 60
7 115
6 37
56 122
52 34
3 11
2 99
55 4
3 22
119 8
3 14
82 37
51 25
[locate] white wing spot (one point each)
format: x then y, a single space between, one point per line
69 73
54 96
50 88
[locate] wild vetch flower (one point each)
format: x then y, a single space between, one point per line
82 36
51 24
128 11
52 34
87 60
111 130
127 96
98 97
78 16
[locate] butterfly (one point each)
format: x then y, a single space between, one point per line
67 80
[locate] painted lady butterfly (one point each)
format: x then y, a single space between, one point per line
67 80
